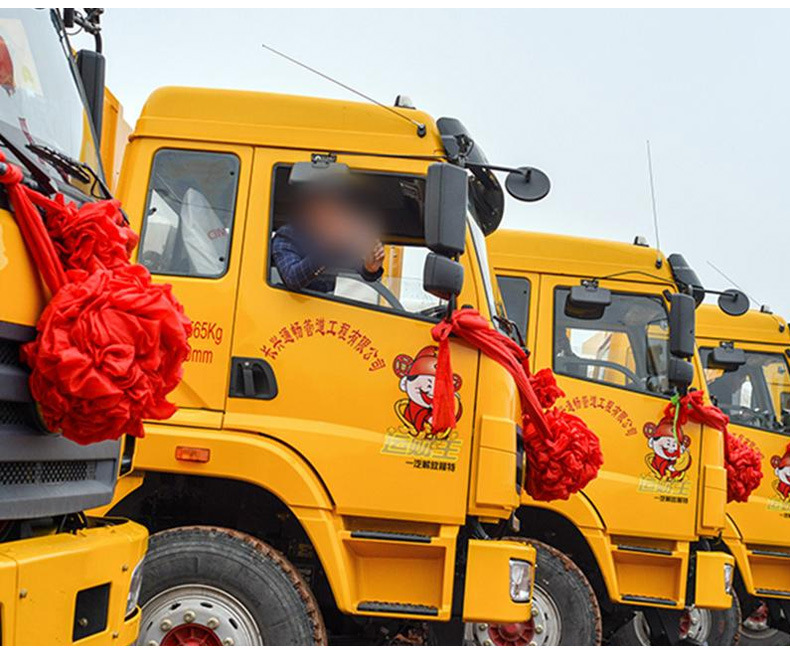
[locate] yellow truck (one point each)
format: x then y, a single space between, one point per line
746 362
299 492
639 539
64 578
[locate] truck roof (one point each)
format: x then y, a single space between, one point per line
754 326
572 255
290 121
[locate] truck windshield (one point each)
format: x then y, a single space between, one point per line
757 394
40 100
626 345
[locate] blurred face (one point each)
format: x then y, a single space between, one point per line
337 224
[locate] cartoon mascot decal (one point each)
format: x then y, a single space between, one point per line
669 460
417 376
781 467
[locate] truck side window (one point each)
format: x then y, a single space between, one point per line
627 346
189 213
755 394
307 256
515 293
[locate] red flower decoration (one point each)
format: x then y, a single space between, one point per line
744 468
545 386
110 348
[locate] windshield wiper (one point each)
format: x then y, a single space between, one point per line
36 171
67 165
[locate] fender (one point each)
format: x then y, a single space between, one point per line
580 512
258 460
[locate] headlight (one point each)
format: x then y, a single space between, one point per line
728 574
520 580
134 588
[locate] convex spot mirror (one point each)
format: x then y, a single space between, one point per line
727 358
733 302
682 324
446 200
587 302
442 277
528 184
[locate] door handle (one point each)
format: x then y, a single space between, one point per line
252 378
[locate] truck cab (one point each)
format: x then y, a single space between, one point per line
303 431
46 481
598 313
746 360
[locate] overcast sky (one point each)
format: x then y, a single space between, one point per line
575 93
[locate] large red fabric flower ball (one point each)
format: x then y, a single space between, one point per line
744 468
110 347
558 467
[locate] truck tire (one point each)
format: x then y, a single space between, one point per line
565 610
755 630
207 586
699 626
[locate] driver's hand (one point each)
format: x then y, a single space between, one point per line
375 258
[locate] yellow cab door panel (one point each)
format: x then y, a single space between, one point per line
191 221
611 370
343 361
752 396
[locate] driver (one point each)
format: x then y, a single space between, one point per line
331 231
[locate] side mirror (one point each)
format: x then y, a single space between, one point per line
727 358
588 301
442 276
733 302
91 67
680 373
682 325
446 197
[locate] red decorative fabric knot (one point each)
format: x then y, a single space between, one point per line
742 460
92 237
110 343
562 454
545 386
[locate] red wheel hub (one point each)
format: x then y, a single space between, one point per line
519 634
191 635
685 623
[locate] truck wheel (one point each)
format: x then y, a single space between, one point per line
695 625
755 630
206 586
565 610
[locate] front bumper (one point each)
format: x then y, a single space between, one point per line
71 588
487 591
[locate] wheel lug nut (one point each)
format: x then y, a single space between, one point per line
153 642
538 629
481 626
189 616
228 641
166 625
212 623
488 642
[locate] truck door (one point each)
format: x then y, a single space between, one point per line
344 374
754 397
192 223
612 365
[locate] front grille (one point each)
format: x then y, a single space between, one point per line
14 413
48 472
9 353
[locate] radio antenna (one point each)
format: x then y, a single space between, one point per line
732 281
653 203
421 131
